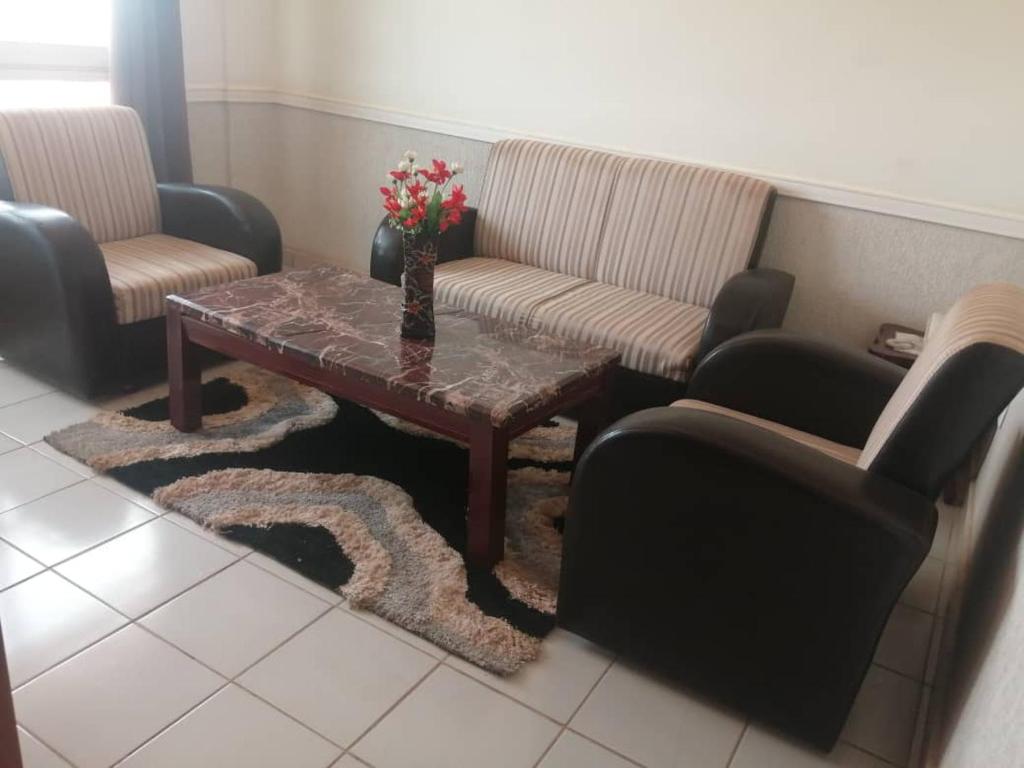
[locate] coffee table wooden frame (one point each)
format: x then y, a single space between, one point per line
488 444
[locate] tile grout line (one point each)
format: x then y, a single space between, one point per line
229 681
392 708
736 746
565 725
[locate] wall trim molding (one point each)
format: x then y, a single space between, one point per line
963 217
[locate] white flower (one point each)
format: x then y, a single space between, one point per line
404 166
457 169
409 155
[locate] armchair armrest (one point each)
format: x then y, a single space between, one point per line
755 569
749 301
803 382
222 218
57 316
386 252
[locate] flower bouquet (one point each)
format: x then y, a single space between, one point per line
421 203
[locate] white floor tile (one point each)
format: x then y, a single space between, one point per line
234 728
8 444
883 715
131 494
270 564
350 762
65 523
145 567
63 459
234 618
16 386
453 721
240 550
657 724
904 644
31 420
923 590
935 648
15 566
396 631
111 698
45 620
36 755
26 476
338 676
557 682
762 749
573 751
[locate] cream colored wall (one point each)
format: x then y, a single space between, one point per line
319 171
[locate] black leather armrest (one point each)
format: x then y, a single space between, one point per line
806 383
386 253
57 315
753 568
749 301
222 218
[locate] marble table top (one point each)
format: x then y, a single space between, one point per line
348 322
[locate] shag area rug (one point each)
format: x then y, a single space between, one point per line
358 501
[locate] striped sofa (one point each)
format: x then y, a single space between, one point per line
786 505
90 245
649 257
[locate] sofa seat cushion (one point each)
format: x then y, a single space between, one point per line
498 288
144 270
844 453
655 335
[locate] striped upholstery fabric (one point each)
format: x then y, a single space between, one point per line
989 314
655 335
545 205
144 270
838 451
680 231
91 163
498 288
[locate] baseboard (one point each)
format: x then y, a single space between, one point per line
963 217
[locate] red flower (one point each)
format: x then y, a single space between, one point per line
399 175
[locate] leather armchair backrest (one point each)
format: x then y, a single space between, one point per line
970 369
545 205
92 163
681 231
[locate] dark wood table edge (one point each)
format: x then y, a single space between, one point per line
488 443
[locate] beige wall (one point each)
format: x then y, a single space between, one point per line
877 109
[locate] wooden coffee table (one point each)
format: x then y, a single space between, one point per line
481 381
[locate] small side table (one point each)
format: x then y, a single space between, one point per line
880 349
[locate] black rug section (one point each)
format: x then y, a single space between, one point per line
433 472
219 396
311 550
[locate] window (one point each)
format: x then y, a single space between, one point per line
54 53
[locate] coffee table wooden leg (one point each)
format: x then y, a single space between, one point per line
183 374
594 416
488 476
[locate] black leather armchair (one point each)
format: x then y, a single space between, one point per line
57 317
98 211
752 543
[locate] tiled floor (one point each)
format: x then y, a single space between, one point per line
137 639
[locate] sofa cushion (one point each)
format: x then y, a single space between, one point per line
498 288
838 451
91 163
680 231
655 335
545 205
144 270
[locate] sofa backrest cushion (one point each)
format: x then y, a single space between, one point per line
680 231
545 205
971 367
92 163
